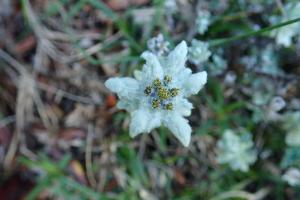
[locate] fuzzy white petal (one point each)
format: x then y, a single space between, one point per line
152 66
183 106
181 77
143 121
137 74
124 87
194 83
128 104
285 35
179 126
177 58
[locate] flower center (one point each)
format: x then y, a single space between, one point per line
161 94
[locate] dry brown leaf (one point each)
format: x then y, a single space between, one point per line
40 133
5 136
78 171
25 45
111 101
72 133
80 116
179 177
71 137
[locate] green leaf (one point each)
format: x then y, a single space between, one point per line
218 42
134 164
63 163
41 185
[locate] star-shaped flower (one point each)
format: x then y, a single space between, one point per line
159 95
284 35
292 126
203 20
236 151
199 52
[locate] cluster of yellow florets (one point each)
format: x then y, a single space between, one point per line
161 93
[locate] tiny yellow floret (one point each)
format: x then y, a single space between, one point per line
155 103
174 92
169 106
147 90
156 83
163 93
168 79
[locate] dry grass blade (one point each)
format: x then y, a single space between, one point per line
88 157
41 32
21 69
44 39
244 195
24 112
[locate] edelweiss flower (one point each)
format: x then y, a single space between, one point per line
236 151
292 176
170 6
158 96
203 21
292 126
285 34
217 66
198 52
158 45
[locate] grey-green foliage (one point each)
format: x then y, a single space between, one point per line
198 52
217 66
284 36
263 60
291 157
291 124
202 21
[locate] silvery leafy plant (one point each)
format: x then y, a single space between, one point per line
203 21
284 35
291 124
198 52
158 94
158 45
236 150
292 176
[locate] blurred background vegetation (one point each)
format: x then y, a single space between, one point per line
61 136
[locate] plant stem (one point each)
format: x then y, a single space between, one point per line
218 42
